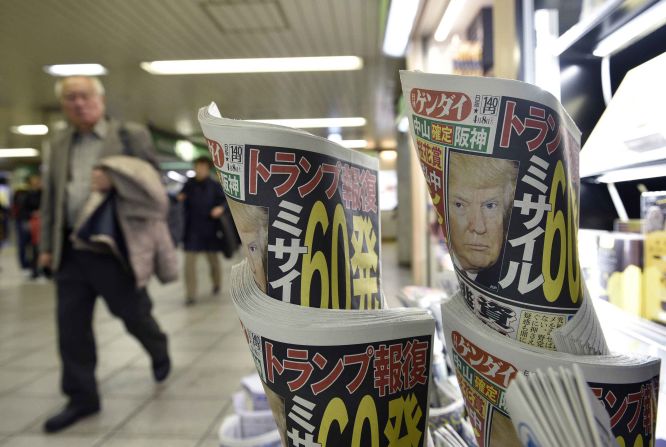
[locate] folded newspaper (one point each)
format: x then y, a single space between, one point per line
338 377
501 162
486 364
338 368
306 210
569 415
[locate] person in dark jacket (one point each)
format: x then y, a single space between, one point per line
203 204
31 204
21 220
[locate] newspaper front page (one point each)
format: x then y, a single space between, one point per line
306 210
626 385
500 159
339 377
338 368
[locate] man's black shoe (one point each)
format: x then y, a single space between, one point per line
161 370
68 416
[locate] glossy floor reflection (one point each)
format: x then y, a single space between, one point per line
208 351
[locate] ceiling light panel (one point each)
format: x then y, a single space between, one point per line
260 65
30 129
645 23
76 69
449 18
399 26
18 152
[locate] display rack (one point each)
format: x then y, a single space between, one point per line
608 17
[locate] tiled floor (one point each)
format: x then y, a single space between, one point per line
207 348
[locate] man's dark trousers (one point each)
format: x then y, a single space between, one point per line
82 276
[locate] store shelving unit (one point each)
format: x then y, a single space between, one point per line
619 133
582 37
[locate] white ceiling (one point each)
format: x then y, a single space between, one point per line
122 33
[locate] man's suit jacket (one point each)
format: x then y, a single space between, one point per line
53 206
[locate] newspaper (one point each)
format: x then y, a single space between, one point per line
569 415
338 377
447 407
337 367
306 210
626 385
501 162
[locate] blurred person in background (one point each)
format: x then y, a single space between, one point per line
4 216
4 213
31 204
204 203
72 176
21 225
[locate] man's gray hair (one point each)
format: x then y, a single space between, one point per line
97 85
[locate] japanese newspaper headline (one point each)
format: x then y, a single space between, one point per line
338 367
626 386
500 159
306 210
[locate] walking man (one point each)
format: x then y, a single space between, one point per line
82 275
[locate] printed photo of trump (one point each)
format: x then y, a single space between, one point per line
480 199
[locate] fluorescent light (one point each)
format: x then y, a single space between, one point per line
185 150
308 123
75 69
576 32
399 26
177 177
628 174
31 129
19 152
190 173
646 22
546 65
449 19
388 155
353 144
260 65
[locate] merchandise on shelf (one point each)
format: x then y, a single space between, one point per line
653 212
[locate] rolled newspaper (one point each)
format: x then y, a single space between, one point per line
625 385
501 162
306 210
338 368
570 415
338 377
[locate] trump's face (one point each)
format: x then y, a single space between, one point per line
476 224
255 250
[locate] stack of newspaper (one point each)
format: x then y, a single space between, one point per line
501 162
570 415
338 368
487 364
